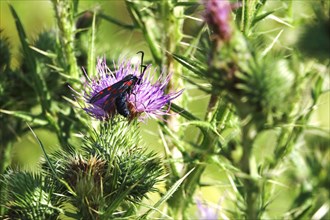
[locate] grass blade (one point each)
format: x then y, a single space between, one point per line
168 194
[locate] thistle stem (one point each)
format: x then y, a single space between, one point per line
207 140
64 15
250 186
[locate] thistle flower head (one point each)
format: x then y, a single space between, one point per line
126 91
79 168
218 16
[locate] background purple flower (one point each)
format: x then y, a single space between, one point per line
218 16
205 212
147 97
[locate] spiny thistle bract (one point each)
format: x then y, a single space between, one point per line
146 99
110 172
30 196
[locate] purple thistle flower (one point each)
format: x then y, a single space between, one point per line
205 212
208 211
147 99
218 16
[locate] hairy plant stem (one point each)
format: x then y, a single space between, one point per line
250 185
64 15
173 29
64 12
248 9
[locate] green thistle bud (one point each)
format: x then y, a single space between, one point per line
85 20
78 168
29 196
264 86
315 39
46 41
109 175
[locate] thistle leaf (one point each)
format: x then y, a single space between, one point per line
28 117
28 55
116 21
168 194
193 65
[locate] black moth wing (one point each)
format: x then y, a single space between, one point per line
114 91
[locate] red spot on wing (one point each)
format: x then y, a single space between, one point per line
128 83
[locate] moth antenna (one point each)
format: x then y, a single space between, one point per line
143 67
